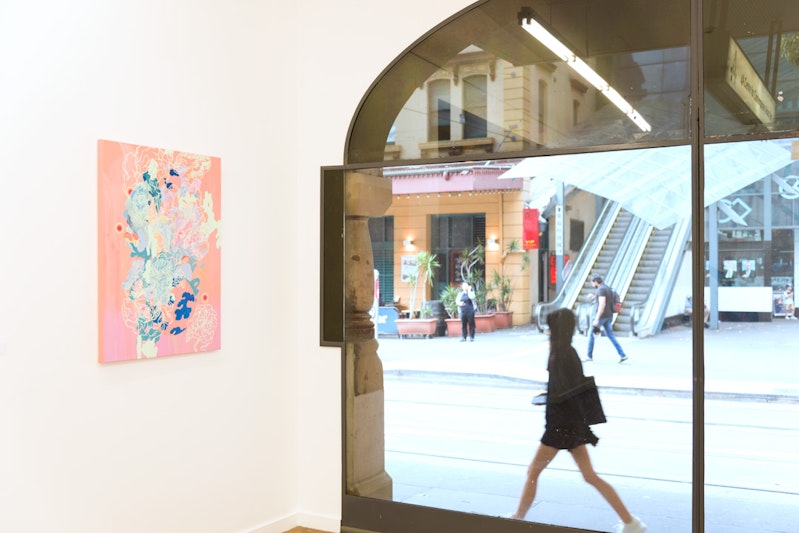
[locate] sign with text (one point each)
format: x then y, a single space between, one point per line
744 80
408 268
553 269
559 229
531 229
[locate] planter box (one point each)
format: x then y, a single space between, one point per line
453 327
503 319
482 323
416 326
485 323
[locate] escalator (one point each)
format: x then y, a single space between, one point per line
607 254
643 280
653 279
573 283
639 261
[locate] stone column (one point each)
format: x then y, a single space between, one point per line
366 196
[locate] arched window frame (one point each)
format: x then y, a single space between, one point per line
355 159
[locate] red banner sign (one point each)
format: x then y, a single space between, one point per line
530 228
553 268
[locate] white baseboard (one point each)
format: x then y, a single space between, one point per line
276 526
331 524
320 521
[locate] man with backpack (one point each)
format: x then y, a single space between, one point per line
603 317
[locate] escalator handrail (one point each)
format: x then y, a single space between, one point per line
581 267
626 264
653 310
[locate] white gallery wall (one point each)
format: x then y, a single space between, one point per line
243 439
343 47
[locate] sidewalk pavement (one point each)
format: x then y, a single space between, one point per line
752 359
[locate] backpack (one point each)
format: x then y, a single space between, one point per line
616 302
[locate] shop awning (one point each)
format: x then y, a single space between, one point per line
655 183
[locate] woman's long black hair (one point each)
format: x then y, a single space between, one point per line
561 330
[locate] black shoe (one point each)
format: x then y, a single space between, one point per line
623 358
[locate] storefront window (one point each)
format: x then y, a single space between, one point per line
458 418
490 143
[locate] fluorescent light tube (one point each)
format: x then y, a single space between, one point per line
582 68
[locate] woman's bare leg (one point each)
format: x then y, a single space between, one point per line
542 458
583 461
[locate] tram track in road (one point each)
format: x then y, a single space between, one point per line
609 476
509 382
648 437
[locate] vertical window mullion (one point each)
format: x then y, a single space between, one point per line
698 266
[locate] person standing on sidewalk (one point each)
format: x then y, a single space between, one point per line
603 317
787 302
570 408
466 311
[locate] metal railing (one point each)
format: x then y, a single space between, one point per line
650 317
645 318
581 267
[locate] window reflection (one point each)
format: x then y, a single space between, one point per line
751 66
512 107
500 89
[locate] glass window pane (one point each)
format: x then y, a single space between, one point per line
751 370
484 83
436 423
461 232
475 106
438 110
751 66
459 429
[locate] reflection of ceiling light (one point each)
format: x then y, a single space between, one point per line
541 34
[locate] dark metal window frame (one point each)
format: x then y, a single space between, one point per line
365 514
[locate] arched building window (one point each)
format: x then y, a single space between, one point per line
475 107
439 110
542 120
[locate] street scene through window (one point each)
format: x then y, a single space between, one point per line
535 171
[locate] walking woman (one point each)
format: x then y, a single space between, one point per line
572 403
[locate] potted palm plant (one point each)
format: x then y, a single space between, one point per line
501 285
449 297
427 267
418 323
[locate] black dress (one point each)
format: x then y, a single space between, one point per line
572 404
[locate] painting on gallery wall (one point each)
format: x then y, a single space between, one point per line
159 252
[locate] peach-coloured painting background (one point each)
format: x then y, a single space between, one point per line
159 252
